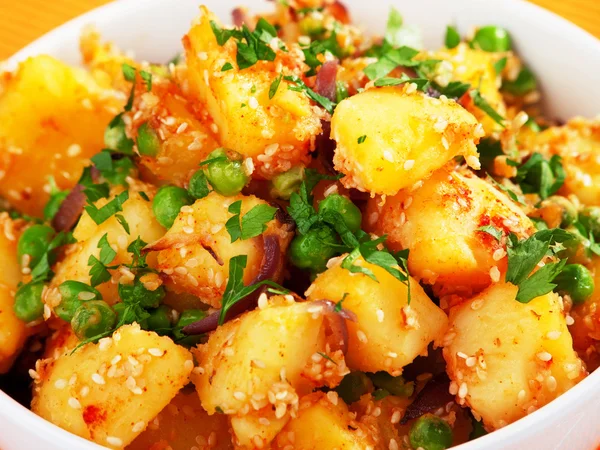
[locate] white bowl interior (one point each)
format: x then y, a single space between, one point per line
565 58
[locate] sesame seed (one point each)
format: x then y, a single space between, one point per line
462 390
85 296
411 87
570 320
332 396
388 156
476 304
74 403
396 416
362 337
551 383
238 395
139 426
73 150
156 352
33 374
258 363
393 445
409 164
521 395
453 389
544 356
112 440
60 383
495 274
188 230
188 365
380 315
471 361
262 301
253 103
553 335
84 391
104 344
98 379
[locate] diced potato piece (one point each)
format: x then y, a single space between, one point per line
586 327
388 139
185 135
138 214
438 222
323 425
389 333
578 143
262 362
184 424
507 358
52 118
475 67
12 330
275 132
252 430
109 392
194 254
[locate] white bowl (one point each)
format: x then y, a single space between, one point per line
565 58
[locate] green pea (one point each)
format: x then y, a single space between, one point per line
225 172
344 206
137 293
429 432
167 203
73 295
590 219
28 304
353 386
524 83
491 39
159 320
148 142
186 318
93 318
562 206
34 242
285 184
341 91
313 249
576 281
394 385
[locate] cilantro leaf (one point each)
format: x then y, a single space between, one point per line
144 195
227 66
300 86
112 167
452 37
138 257
391 59
221 34
147 78
482 104
454 89
362 139
512 194
318 47
128 72
121 219
42 270
492 231
115 137
98 266
422 83
540 282
274 86
100 215
540 176
253 222
235 289
338 305
489 149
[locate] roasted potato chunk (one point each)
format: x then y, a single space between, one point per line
194 254
12 330
439 223
578 143
52 118
506 359
389 333
389 138
276 132
262 362
475 67
324 423
138 214
109 392
184 424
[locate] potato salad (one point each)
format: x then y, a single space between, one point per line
296 234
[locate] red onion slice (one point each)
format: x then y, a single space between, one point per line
433 396
70 209
325 84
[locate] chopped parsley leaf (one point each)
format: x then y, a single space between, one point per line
362 139
227 66
56 198
98 266
391 59
147 78
421 83
144 195
541 176
300 86
253 223
100 215
121 219
492 231
274 86
452 37
500 65
482 104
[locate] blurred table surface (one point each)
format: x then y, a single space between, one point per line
22 21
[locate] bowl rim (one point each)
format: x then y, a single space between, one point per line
566 403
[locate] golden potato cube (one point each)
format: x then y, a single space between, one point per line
261 364
507 358
388 139
194 254
324 425
276 132
389 333
439 221
578 143
475 67
184 424
109 392
52 119
138 214
12 331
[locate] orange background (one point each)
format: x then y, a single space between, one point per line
21 21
